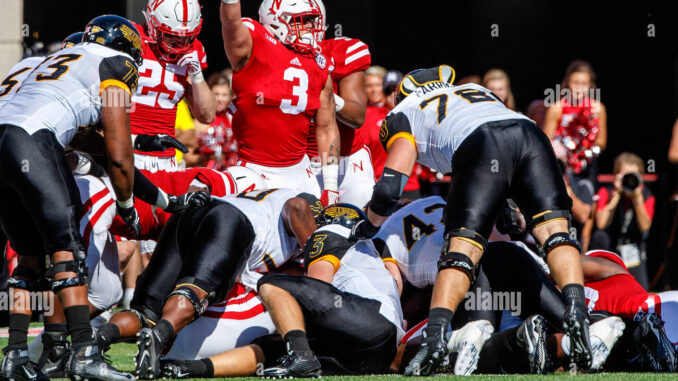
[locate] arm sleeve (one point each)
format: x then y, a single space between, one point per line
119 71
326 245
393 127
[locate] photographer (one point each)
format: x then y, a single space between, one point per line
624 215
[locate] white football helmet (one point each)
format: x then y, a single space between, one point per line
173 24
287 19
246 179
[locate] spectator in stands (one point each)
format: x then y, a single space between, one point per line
374 85
673 160
216 145
498 82
578 108
536 111
624 215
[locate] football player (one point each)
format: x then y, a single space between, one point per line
467 131
282 85
350 58
229 238
173 63
73 87
311 315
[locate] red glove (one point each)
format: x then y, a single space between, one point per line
329 197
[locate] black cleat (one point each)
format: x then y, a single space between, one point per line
295 364
576 326
532 337
431 356
657 350
175 369
86 363
16 366
56 350
147 361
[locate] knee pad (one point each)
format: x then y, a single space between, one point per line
199 305
547 216
77 266
144 322
468 235
34 281
387 192
456 260
559 239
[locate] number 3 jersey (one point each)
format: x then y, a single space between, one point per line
438 117
272 245
63 92
277 94
412 237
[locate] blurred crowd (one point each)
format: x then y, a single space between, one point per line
611 211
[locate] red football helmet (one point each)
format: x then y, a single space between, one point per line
174 25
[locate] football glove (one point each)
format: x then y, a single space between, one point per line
180 204
130 217
157 143
329 197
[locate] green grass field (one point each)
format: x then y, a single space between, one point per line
122 357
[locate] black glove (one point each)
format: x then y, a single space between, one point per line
131 218
363 230
180 204
157 143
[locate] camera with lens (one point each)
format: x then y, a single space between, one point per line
631 181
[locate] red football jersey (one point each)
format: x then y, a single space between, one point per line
277 94
349 55
153 219
619 294
161 86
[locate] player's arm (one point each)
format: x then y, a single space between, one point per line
553 114
596 269
390 263
201 101
398 141
329 144
324 250
352 93
298 218
118 142
237 39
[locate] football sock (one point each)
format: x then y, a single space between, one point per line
18 329
438 320
77 319
164 331
297 340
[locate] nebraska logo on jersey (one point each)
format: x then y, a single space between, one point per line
321 61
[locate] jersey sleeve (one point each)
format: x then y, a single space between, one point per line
350 55
327 244
119 71
393 127
202 56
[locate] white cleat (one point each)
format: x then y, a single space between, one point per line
604 334
467 343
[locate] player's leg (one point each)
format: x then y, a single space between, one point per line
152 288
481 170
216 241
358 178
49 192
235 322
539 190
366 348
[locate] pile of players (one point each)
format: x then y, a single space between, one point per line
294 263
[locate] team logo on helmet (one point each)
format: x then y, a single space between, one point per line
131 36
